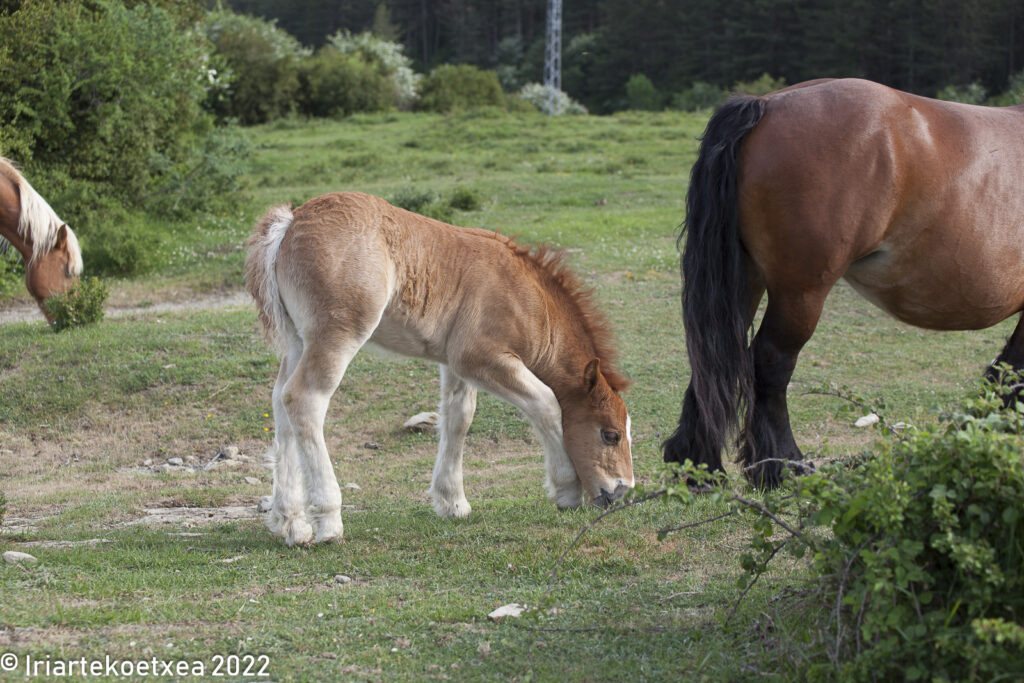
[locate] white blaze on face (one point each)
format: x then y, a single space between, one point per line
629 440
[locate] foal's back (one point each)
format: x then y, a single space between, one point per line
425 288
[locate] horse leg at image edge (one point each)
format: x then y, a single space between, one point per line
1012 355
458 403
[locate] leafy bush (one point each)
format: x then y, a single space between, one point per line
453 87
339 84
102 106
122 248
429 203
1014 92
641 93
388 56
699 96
464 199
80 305
918 547
762 85
100 89
262 65
972 93
541 96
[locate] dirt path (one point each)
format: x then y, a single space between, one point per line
28 312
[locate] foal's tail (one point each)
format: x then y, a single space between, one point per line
715 291
261 274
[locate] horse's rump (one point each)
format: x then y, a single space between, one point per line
900 194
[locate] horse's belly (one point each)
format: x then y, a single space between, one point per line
404 339
938 297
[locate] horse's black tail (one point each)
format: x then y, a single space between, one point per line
715 292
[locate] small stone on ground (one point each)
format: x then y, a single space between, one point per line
513 609
14 557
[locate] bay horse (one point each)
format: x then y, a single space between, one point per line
48 247
346 270
917 203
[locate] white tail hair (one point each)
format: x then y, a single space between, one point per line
261 274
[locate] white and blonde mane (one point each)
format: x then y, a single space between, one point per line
38 223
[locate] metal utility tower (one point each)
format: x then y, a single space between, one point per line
553 53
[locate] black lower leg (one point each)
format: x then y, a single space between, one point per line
691 440
1012 357
768 445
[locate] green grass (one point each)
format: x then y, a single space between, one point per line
81 411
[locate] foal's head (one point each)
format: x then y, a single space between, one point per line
595 427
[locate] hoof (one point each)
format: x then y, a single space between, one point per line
329 528
452 509
294 530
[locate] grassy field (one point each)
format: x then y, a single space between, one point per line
87 416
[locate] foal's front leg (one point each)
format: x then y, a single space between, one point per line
508 378
458 403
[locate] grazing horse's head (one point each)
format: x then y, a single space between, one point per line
56 270
595 428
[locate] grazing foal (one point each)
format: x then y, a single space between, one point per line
47 245
347 269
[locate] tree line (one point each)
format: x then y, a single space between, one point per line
916 45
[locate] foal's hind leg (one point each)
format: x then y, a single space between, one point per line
458 403
767 440
306 396
287 516
1012 355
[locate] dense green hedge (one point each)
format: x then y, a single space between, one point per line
102 105
914 551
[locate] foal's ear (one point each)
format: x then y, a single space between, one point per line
591 374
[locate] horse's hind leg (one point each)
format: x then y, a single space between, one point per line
1012 355
287 516
767 440
306 396
458 403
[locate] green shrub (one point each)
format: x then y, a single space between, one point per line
917 548
464 199
454 87
425 202
699 96
387 56
102 105
1014 93
762 85
972 93
542 97
122 248
80 305
339 84
641 93
262 65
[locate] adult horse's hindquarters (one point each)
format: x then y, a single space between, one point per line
917 203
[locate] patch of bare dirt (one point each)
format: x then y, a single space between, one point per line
27 312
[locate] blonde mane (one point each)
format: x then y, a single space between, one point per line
550 264
38 223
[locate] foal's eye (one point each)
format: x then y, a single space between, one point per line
610 437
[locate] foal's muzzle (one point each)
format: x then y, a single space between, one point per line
606 498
